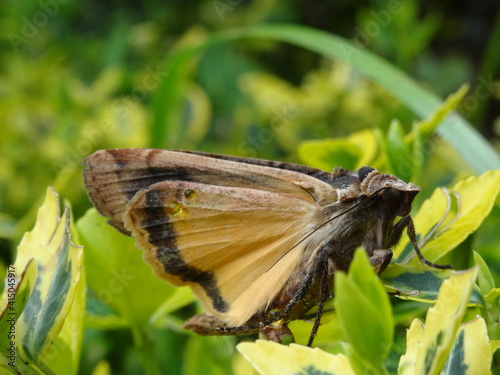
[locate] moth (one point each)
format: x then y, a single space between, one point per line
257 241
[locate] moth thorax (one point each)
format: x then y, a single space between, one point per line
375 181
371 182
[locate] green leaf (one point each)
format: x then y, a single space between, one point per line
271 358
485 278
441 226
328 333
428 346
196 361
364 312
419 154
398 151
427 126
491 297
181 297
420 283
352 152
492 312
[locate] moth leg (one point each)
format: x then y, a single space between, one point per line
407 222
397 231
209 325
380 259
277 332
413 238
324 294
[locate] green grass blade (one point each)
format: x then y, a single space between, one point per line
467 141
457 131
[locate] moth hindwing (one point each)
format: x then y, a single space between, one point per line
257 241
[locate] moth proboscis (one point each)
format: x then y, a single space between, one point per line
257 241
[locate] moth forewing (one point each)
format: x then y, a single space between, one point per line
231 245
113 177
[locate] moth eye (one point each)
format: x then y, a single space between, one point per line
391 197
189 193
174 208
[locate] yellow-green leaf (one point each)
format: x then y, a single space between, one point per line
428 349
18 287
413 338
442 225
352 152
66 348
21 367
272 358
102 368
49 329
471 352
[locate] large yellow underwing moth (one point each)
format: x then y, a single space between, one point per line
256 240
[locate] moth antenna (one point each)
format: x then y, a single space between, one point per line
410 229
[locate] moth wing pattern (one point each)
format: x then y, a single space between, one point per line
226 228
221 241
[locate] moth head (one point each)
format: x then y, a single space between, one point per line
396 195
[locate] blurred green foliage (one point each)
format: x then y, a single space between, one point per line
80 76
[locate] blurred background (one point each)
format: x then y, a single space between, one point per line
80 76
